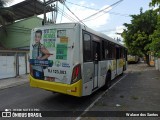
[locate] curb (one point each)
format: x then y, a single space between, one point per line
14 84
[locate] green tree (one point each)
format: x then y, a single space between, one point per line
136 36
6 16
154 2
155 37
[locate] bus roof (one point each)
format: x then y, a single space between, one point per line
102 35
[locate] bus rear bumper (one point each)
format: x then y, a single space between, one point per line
72 89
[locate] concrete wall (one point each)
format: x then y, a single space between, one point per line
18 33
157 64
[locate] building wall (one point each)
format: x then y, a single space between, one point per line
18 33
157 64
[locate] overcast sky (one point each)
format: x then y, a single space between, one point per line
109 23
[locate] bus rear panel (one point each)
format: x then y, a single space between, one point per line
54 61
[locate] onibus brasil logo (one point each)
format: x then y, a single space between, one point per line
8 113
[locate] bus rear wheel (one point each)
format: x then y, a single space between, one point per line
107 81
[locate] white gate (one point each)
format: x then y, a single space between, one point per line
7 67
22 65
28 64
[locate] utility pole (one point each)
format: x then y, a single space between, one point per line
44 20
46 3
118 39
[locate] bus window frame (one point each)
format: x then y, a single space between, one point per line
83 34
95 38
110 47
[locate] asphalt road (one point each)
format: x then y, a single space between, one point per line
26 97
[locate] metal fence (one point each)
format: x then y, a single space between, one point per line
157 63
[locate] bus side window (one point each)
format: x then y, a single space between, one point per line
113 51
87 48
122 53
105 50
110 52
117 52
126 54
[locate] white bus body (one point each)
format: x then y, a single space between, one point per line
79 61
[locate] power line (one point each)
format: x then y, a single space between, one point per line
114 13
66 15
74 14
62 13
82 6
102 10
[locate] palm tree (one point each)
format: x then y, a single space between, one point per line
6 16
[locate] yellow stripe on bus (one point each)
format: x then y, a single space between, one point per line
72 89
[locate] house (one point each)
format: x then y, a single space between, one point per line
18 33
14 47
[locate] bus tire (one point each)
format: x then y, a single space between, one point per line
107 81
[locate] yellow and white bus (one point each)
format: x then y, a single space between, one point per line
73 59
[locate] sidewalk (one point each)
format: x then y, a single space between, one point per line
138 91
11 82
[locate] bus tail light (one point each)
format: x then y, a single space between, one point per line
76 74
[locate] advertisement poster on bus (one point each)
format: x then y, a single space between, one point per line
49 56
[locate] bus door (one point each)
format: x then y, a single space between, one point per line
96 58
